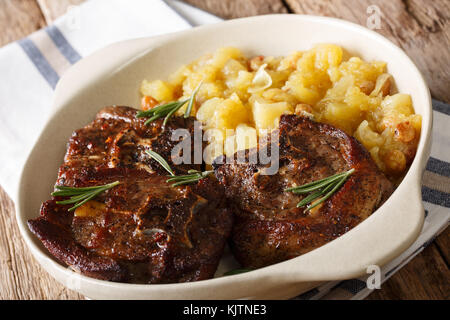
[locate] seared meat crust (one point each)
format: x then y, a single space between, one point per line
268 227
143 230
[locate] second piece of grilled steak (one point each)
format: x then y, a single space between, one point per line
143 230
269 228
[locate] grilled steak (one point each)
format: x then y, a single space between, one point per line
268 227
143 230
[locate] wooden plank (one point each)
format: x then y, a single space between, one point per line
52 9
422 30
443 245
18 18
425 277
230 9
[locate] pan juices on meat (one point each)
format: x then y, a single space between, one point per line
142 230
270 224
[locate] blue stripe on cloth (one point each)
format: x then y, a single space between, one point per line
438 166
441 107
62 44
39 61
353 286
437 197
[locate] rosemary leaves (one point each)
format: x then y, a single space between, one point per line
320 190
167 110
158 158
80 196
191 101
192 176
163 111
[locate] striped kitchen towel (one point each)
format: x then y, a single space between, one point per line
30 69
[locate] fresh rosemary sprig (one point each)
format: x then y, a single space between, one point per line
80 196
192 177
321 189
158 158
163 111
167 110
191 101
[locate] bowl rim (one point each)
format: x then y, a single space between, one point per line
413 175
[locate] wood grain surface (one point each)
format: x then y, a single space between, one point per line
18 19
230 9
421 28
52 9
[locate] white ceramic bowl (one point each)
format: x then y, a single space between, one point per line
112 77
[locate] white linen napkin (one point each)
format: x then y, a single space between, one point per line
31 67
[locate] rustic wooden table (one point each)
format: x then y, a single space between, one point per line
420 27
